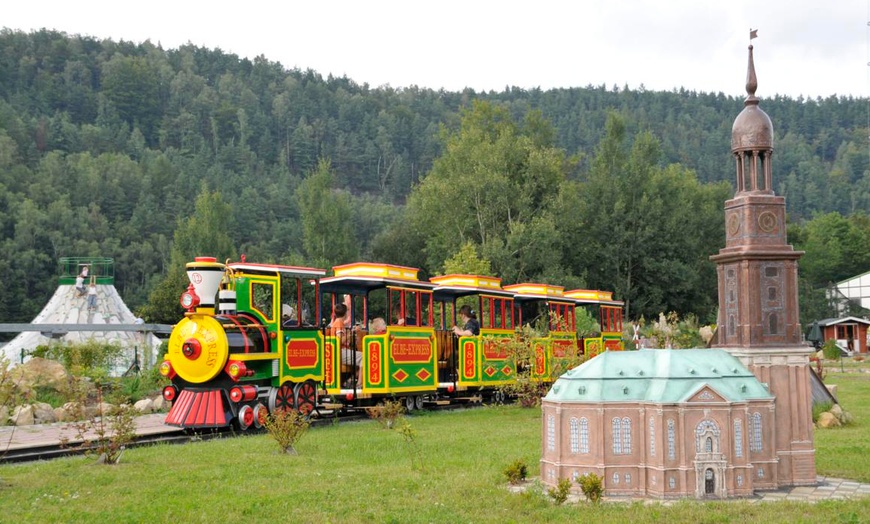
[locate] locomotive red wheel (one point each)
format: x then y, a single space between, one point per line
282 398
305 397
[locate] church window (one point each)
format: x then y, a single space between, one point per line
671 440
760 473
755 443
616 478
773 324
575 436
707 437
739 480
626 436
771 293
708 445
672 483
738 438
652 437
551 432
617 439
584 435
628 479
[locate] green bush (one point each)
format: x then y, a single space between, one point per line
559 494
516 471
592 486
287 427
831 350
92 359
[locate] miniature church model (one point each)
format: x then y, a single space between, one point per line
702 423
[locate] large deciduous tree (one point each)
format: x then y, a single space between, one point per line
327 231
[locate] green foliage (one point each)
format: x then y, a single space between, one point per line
592 486
387 413
831 350
327 236
91 358
412 445
466 261
516 471
287 427
559 494
105 430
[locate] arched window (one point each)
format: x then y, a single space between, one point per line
738 438
652 437
617 439
626 436
584 435
755 442
551 432
707 437
671 440
575 436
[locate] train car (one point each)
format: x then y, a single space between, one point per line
608 313
398 362
249 356
474 363
545 306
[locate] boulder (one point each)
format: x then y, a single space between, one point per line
837 411
22 416
828 420
158 404
847 418
143 406
43 413
41 372
61 415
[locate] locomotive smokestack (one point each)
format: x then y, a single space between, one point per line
205 275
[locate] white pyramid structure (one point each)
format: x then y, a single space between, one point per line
67 307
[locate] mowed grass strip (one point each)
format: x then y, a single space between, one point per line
359 472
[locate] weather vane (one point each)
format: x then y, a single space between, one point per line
753 33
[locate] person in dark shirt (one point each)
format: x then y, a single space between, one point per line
472 326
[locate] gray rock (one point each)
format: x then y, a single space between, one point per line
143 406
43 413
158 404
61 415
828 420
22 416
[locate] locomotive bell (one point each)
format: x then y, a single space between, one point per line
205 275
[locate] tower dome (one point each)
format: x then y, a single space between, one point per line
752 129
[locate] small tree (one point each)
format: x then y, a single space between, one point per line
287 427
592 486
387 413
516 471
559 494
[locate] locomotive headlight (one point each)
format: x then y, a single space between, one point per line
236 369
169 393
166 369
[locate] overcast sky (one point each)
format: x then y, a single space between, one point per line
810 48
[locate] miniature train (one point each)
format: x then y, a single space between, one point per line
266 344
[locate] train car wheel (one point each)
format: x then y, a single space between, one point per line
409 404
418 402
499 396
305 397
281 398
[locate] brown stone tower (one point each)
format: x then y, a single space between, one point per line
758 294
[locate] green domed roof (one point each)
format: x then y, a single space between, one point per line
658 375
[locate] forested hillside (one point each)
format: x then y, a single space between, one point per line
150 155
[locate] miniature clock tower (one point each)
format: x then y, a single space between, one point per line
758 291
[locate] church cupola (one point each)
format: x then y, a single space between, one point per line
752 140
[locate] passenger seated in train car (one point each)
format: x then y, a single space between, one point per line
469 319
378 326
349 355
288 316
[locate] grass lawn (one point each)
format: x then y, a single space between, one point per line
359 472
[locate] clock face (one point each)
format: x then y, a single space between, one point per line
186 300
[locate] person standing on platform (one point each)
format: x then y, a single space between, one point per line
92 296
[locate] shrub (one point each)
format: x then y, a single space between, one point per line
414 453
592 486
92 358
104 433
560 493
831 350
287 427
387 414
516 471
